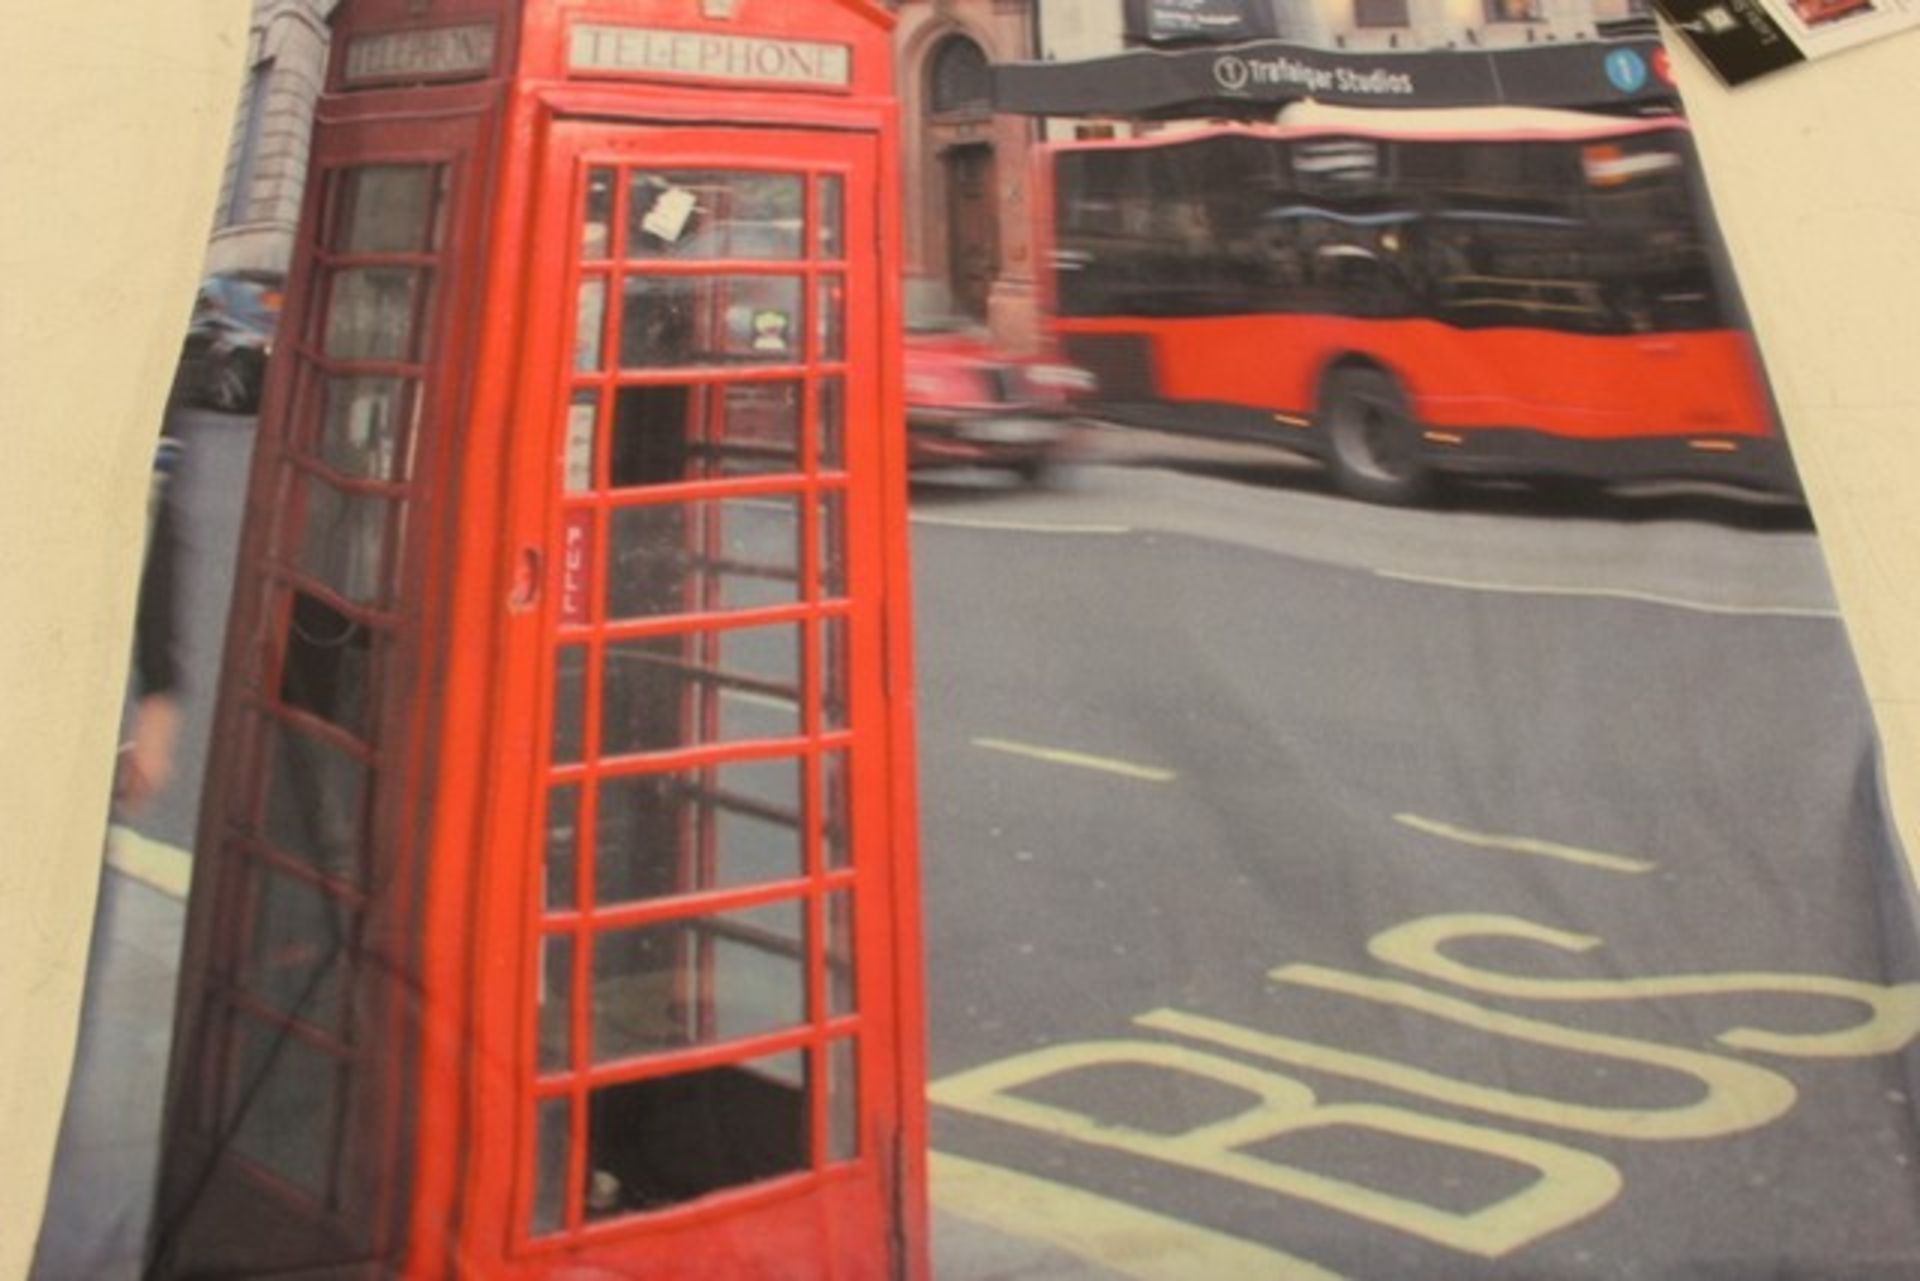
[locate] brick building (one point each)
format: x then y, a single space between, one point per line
969 222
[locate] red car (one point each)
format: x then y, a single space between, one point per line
972 403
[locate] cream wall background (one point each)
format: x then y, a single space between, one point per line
115 126
1816 178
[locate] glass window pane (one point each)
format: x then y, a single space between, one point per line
386 209
831 242
834 711
556 1003
841 965
714 215
343 542
281 1102
702 557
590 320
563 848
843 1101
667 434
582 416
699 981
665 1140
836 811
668 692
833 423
370 315
327 668
672 322
596 228
830 318
716 827
364 427
570 705
296 963
316 802
550 1165
833 545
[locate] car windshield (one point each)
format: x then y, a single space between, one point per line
257 301
930 309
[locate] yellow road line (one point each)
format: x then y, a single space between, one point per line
1527 845
1060 756
1112 1234
1017 526
148 861
1610 593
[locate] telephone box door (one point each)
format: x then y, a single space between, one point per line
709 1013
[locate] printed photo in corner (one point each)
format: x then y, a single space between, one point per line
1745 39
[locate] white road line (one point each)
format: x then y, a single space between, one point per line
755 698
1017 526
1115 1235
154 863
1610 593
1060 756
1527 845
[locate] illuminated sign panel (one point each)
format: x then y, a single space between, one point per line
696 55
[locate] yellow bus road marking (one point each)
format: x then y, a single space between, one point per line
1017 526
153 863
1527 845
1060 756
1569 1185
1610 593
1114 1235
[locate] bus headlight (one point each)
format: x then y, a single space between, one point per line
1060 377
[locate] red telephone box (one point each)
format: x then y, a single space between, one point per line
555 903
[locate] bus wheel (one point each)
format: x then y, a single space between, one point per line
1373 444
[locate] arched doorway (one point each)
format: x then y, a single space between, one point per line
959 93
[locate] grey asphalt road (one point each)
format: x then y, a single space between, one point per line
1179 731
1187 720
209 492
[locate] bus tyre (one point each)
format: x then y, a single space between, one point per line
1373 443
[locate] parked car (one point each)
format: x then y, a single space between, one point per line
230 337
974 403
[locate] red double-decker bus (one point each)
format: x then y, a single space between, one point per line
1413 294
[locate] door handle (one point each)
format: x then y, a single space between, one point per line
523 592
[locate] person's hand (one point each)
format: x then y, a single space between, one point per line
146 761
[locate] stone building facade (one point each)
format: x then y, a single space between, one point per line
267 159
1090 28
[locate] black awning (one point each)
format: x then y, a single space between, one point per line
1264 75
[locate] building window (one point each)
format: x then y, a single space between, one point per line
1381 13
246 160
960 82
1516 10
